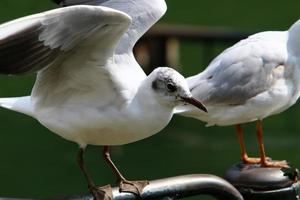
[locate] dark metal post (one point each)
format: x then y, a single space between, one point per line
257 183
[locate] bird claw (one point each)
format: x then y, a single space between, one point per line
275 164
135 187
101 193
250 160
268 162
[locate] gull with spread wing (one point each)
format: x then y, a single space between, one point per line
257 77
89 88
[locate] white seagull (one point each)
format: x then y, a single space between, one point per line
89 88
255 78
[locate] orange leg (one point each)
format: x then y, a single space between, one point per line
244 156
264 160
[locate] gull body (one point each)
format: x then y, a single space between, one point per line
95 81
255 78
89 87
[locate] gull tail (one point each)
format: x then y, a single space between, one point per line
18 104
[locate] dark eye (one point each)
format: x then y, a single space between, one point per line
171 87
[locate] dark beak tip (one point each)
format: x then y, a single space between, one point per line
202 107
195 103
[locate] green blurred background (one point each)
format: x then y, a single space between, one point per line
37 163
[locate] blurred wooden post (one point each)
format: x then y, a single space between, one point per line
160 46
158 52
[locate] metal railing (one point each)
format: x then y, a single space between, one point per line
172 188
176 188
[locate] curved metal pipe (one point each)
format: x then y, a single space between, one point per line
185 186
178 187
173 188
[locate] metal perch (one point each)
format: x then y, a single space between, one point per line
177 188
173 188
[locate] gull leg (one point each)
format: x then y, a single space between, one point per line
264 161
102 193
135 187
244 156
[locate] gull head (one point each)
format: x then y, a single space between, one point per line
171 88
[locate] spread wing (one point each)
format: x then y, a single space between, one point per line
31 43
144 14
71 48
242 71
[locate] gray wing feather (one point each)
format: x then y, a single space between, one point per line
22 52
144 14
32 43
238 74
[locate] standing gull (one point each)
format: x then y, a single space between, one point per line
89 88
255 78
